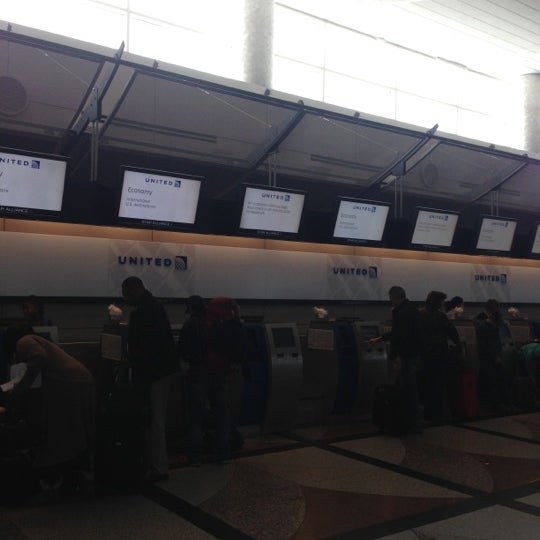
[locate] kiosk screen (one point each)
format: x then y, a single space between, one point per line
283 337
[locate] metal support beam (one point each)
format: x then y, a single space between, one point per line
493 185
93 106
398 167
262 153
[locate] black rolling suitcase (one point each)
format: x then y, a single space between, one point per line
524 394
390 410
124 414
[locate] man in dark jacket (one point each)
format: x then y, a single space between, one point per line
405 340
151 353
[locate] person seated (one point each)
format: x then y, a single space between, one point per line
68 402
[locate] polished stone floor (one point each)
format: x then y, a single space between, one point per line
472 481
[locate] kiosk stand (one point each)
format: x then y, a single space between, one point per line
374 367
285 376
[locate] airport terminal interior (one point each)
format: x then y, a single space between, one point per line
303 181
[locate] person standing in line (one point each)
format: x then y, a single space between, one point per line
406 345
151 353
438 331
496 369
192 349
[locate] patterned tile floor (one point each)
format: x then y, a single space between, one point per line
472 481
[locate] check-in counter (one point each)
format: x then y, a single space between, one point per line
285 376
374 367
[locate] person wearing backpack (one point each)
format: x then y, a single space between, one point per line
192 350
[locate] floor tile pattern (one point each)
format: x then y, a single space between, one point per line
474 481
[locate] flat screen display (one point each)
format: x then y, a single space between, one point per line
535 250
271 210
31 184
496 234
283 337
157 198
369 332
434 228
363 221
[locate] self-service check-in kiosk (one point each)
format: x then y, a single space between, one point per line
320 373
374 366
255 391
347 367
285 376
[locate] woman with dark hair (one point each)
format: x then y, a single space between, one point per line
69 401
437 331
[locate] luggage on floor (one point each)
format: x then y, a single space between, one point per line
390 410
524 394
465 396
19 479
119 453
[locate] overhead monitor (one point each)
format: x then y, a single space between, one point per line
31 184
271 211
158 199
434 228
360 221
535 249
496 234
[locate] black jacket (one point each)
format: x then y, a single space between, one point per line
150 342
406 334
437 329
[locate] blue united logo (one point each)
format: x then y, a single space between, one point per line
180 262
177 183
35 164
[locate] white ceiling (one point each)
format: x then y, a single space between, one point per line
511 26
498 37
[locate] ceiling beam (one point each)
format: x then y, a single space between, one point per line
262 153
